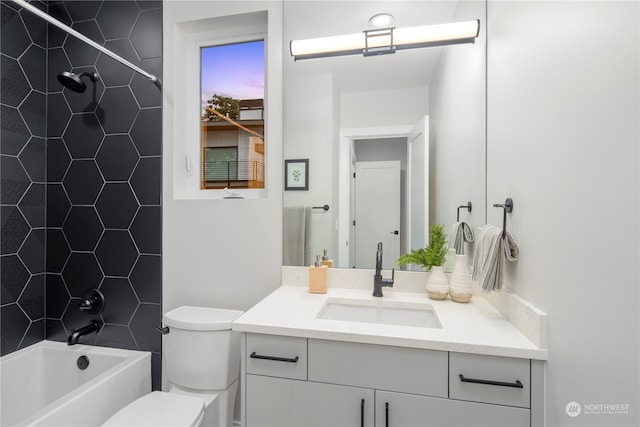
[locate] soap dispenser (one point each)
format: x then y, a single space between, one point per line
318 277
325 259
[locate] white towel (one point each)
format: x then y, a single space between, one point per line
491 250
297 235
460 232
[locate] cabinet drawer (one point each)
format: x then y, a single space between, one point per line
277 356
408 370
490 379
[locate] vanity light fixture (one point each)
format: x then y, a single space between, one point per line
385 40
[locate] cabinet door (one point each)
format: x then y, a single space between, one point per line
409 410
283 402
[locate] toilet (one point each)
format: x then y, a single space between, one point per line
202 357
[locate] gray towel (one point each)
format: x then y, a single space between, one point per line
491 250
297 235
460 232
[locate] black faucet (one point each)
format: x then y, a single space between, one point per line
378 281
92 327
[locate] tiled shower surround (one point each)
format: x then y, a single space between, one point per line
81 175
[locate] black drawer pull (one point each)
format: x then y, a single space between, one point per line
517 384
362 413
278 359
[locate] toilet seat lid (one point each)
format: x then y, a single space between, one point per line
201 318
160 409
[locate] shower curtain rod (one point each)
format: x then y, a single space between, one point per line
85 39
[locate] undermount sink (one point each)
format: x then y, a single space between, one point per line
384 312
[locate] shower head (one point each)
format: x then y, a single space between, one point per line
74 81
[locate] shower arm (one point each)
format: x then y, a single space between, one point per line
85 39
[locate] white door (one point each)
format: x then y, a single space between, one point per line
418 183
377 213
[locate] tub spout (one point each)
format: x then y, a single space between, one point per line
92 327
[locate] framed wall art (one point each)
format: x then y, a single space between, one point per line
296 174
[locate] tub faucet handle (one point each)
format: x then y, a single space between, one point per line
92 302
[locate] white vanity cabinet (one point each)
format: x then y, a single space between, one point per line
295 381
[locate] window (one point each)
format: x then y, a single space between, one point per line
232 139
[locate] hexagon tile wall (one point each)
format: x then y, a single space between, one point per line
95 157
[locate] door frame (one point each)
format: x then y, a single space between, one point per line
345 172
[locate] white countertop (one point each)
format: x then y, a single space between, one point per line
475 327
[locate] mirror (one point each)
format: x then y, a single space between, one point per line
352 113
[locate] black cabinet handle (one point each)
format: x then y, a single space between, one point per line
278 359
362 413
517 384
386 414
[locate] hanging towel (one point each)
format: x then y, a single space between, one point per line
460 232
296 235
491 250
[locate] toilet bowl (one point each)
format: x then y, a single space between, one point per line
202 357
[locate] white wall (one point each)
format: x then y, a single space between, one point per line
457 129
563 136
221 253
371 109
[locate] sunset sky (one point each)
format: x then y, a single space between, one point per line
235 70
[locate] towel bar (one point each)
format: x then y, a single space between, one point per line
507 207
467 206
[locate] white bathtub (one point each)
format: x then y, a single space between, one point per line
41 385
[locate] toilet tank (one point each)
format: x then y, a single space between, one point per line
201 351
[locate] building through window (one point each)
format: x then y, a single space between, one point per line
232 122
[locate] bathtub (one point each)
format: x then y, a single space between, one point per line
42 385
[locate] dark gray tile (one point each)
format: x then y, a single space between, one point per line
32 158
57 63
143 326
13 278
14 181
34 112
116 18
117 158
147 93
36 26
147 180
83 182
57 296
118 110
13 325
32 251
146 278
146 230
81 54
149 4
34 334
34 64
58 160
54 330
14 86
112 72
32 299
32 205
117 205
147 34
83 136
116 336
58 250
58 205
147 132
116 253
83 10
58 114
57 36
14 38
14 131
13 231
82 228
81 273
120 300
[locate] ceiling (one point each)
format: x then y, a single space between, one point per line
355 73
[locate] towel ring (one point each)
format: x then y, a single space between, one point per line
467 206
507 207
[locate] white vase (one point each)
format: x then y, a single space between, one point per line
460 284
437 284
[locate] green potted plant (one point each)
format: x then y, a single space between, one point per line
431 259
